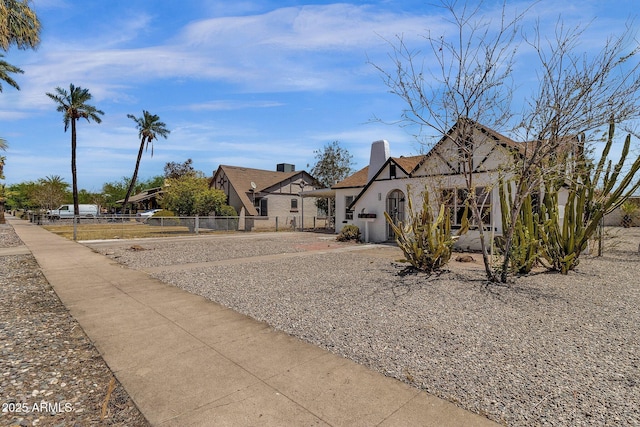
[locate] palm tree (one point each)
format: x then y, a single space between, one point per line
19 25
73 105
3 147
5 69
149 128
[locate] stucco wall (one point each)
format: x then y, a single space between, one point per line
341 206
374 201
279 206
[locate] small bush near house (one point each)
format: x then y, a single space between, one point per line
349 233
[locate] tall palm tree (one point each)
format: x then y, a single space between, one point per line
149 128
19 25
73 105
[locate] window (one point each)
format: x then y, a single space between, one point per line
483 200
294 205
348 212
455 201
392 171
261 206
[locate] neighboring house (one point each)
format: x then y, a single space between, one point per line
383 186
615 217
268 199
145 200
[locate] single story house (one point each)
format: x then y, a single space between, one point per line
145 200
384 185
267 199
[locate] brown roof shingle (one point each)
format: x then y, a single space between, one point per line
358 179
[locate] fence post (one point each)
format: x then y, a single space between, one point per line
197 224
276 223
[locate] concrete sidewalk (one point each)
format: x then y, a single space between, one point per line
187 361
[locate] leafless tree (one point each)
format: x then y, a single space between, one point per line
470 76
465 76
577 94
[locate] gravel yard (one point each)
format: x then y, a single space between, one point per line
52 375
547 350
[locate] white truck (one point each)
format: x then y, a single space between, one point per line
66 211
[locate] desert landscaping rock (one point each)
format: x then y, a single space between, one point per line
546 350
52 375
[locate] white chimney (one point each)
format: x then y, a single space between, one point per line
379 155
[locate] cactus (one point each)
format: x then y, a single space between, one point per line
559 240
425 239
525 250
593 191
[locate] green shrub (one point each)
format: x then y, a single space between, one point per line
348 233
191 195
226 210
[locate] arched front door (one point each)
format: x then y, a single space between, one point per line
395 209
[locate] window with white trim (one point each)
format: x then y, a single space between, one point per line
456 199
348 214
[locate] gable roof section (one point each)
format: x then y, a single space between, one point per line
240 178
407 164
359 178
411 164
500 139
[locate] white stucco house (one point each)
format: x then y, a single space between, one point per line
383 186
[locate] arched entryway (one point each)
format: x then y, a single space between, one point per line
395 209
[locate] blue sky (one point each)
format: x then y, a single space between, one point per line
243 83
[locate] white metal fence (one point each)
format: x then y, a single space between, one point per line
132 226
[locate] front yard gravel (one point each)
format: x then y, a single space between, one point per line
547 350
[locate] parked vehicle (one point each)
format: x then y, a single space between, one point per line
143 216
66 211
